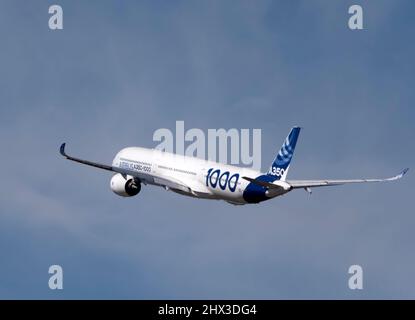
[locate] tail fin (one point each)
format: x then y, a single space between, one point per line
281 163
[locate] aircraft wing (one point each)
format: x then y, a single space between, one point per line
322 183
141 175
89 163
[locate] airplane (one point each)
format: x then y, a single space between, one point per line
199 178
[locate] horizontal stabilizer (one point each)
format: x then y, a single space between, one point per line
262 183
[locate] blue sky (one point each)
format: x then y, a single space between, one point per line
119 71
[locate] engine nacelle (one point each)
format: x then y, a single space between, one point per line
125 187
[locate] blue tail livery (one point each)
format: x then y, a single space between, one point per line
281 163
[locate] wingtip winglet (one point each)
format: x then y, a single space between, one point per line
400 175
62 149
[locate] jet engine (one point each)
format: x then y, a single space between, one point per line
125 186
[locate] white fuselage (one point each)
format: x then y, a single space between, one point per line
189 175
